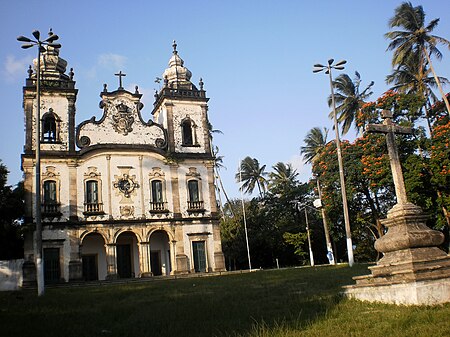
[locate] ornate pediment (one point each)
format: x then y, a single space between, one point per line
121 123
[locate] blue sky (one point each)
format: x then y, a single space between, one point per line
255 58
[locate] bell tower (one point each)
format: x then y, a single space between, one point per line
58 97
182 109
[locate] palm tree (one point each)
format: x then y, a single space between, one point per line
315 141
283 177
407 78
415 39
348 99
252 175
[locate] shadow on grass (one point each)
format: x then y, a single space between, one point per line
231 305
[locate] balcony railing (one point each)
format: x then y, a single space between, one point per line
50 209
93 208
158 207
195 206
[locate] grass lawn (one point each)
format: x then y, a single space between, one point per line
289 302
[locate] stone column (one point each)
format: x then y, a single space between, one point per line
111 259
73 190
109 182
172 256
28 171
170 127
175 190
211 189
75 263
71 126
205 126
181 260
219 259
144 254
141 178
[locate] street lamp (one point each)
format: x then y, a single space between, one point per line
311 256
327 68
28 43
245 220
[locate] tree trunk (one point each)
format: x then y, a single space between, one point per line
444 97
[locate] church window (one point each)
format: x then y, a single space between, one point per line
194 202
49 192
92 200
157 196
186 129
50 203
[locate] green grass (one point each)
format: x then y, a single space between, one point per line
290 302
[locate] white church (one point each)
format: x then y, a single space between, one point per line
121 197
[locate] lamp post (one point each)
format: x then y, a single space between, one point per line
311 256
327 68
245 220
28 43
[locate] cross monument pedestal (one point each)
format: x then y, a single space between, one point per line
413 270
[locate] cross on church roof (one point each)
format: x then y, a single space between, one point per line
120 74
390 129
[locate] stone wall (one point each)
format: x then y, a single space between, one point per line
10 275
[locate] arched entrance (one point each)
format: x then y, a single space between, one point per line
127 255
160 253
93 255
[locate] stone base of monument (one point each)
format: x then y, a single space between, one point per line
413 271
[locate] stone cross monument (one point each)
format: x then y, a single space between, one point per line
390 129
413 269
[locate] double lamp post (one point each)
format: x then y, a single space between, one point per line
327 68
41 44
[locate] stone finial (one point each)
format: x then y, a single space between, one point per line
71 73
174 45
200 83
30 71
105 87
136 90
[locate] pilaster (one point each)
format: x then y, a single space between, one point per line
73 193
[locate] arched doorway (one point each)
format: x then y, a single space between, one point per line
93 256
127 255
160 253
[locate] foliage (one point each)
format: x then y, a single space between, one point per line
252 175
348 99
298 241
440 168
315 141
11 210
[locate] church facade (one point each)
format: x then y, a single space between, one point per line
120 197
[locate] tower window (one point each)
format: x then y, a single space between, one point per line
50 125
193 190
186 129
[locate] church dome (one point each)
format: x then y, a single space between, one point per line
177 75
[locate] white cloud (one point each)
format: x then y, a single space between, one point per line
110 60
14 68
